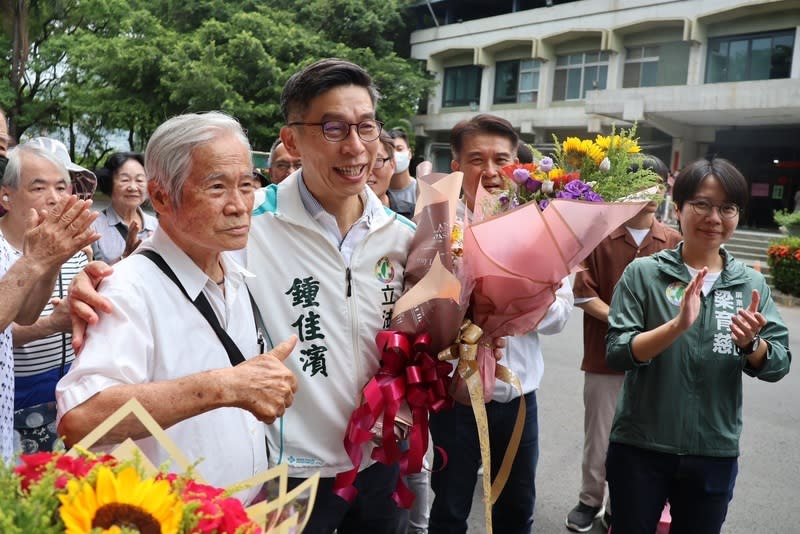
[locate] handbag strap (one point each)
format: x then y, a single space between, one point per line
120 226
202 304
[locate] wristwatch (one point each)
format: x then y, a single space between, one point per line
752 346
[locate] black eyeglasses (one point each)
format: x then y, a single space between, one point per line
336 131
727 210
286 165
380 162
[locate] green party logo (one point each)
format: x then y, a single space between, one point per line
384 271
674 293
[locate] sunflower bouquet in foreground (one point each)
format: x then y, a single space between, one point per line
606 169
83 493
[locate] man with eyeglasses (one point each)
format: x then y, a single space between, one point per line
281 164
336 258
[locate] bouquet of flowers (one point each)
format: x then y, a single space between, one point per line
60 493
606 169
77 492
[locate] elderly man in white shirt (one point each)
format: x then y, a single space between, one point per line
154 345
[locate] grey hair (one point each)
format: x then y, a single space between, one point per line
168 156
13 174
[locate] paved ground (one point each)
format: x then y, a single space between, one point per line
766 495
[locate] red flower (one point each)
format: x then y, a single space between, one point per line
560 181
33 467
234 517
217 513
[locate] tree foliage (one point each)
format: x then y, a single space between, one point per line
98 68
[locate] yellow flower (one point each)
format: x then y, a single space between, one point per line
576 150
596 152
122 500
573 145
607 142
556 172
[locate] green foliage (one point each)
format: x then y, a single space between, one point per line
783 258
34 513
787 218
97 67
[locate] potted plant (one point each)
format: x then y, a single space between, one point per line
788 220
783 257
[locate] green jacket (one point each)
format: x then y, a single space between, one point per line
687 400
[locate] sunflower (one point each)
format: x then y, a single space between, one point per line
119 501
623 142
595 151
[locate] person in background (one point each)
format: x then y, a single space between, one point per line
54 228
36 179
481 146
281 163
524 152
123 224
403 187
641 236
5 140
383 169
685 324
155 344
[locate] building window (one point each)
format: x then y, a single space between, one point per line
516 81
578 73
641 66
762 56
462 86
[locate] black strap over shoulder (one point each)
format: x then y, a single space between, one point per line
202 304
120 226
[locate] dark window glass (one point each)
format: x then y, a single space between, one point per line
516 81
462 86
506 81
760 56
577 73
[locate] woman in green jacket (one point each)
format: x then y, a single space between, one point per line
685 324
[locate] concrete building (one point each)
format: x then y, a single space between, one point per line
696 76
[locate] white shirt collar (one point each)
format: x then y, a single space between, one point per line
189 274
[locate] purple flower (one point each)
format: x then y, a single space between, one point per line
592 196
520 176
566 194
533 185
543 204
504 200
576 188
546 164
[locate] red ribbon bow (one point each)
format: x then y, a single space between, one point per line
408 373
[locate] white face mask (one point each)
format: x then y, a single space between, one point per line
401 160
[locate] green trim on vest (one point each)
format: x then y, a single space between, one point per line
270 204
390 212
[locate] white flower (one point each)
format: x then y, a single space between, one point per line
605 165
547 187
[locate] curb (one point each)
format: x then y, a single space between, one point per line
783 299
